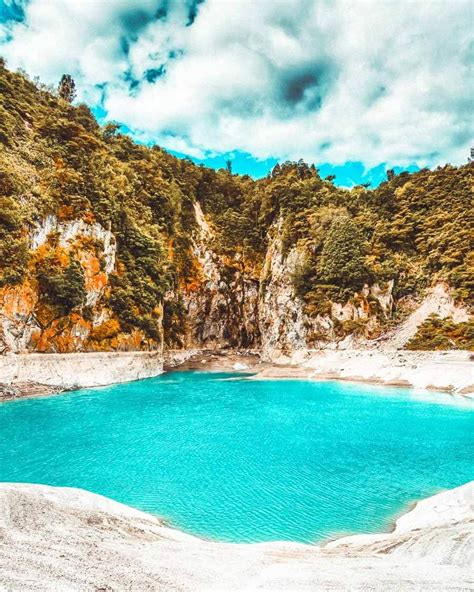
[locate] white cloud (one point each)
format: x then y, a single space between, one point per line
329 81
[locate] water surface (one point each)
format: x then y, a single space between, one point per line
243 460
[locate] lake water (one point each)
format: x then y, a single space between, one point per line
241 460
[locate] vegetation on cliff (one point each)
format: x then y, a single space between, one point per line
56 160
442 334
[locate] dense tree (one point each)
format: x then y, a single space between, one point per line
439 334
62 287
342 258
67 88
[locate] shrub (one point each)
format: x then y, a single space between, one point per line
438 334
106 330
342 258
62 287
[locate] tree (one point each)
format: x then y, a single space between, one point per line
67 88
342 257
63 287
110 129
228 166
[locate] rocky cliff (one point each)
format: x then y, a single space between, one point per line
29 323
221 307
286 325
228 304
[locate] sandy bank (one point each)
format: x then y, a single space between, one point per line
214 360
443 371
68 539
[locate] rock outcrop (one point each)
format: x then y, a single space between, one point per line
222 304
69 539
285 325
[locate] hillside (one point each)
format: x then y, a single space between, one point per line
110 245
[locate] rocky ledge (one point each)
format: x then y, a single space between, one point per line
70 539
27 390
78 370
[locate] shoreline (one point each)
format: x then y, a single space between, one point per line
450 372
77 540
24 376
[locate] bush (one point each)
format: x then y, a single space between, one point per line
62 287
342 258
439 334
106 330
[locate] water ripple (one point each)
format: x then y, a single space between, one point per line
243 460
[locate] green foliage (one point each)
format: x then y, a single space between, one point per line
173 322
443 334
342 257
67 88
55 159
13 245
62 287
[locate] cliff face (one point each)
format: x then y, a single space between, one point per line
222 303
369 318
286 326
283 324
28 323
226 306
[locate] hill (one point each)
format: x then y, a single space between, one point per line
106 244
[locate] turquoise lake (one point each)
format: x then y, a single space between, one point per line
241 460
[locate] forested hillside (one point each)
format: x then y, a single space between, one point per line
102 245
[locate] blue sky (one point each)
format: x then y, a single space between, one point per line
347 174
353 88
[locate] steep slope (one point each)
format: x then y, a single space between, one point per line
110 245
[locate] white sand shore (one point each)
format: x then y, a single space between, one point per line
59 539
451 371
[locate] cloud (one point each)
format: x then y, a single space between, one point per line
329 81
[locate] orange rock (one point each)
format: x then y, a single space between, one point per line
17 300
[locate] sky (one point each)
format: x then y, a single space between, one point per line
355 87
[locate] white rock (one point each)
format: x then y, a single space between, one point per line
60 539
240 366
80 369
